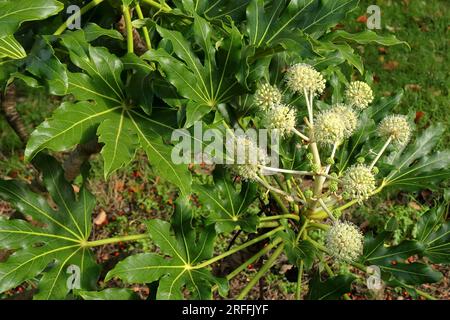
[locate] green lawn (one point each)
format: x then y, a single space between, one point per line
423 71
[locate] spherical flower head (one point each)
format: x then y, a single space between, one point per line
248 157
348 116
358 182
267 95
396 127
301 77
329 128
359 94
345 241
280 117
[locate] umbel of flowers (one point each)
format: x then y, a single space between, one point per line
325 130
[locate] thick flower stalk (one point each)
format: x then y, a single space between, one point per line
266 96
359 95
397 128
280 117
358 182
345 241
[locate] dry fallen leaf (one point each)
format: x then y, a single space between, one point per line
75 188
414 205
390 65
413 87
101 218
362 19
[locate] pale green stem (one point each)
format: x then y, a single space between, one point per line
281 216
275 190
309 107
298 291
322 226
302 230
388 141
144 28
324 207
299 173
77 15
129 27
102 242
254 258
301 135
164 8
238 248
261 272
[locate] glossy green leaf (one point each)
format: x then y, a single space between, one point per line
53 242
11 48
228 205
68 126
434 233
298 251
417 166
13 14
216 9
120 141
331 289
366 37
108 294
267 23
43 64
186 247
413 273
93 31
209 82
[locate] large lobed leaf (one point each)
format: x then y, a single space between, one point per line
391 259
103 109
53 240
13 14
185 247
228 205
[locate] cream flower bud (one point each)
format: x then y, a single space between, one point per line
396 127
267 95
345 241
280 117
248 156
349 118
359 94
329 128
358 182
302 77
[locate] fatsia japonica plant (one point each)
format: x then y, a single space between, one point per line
134 72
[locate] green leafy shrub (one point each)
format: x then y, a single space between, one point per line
277 65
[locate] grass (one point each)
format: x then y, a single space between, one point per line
423 71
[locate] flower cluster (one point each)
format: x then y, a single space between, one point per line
396 127
345 241
266 96
348 116
359 94
301 77
358 182
329 127
248 157
280 117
